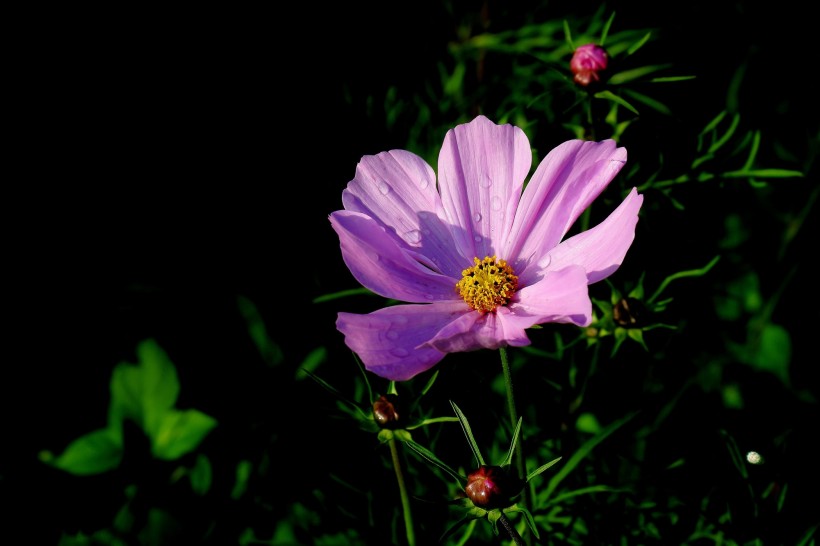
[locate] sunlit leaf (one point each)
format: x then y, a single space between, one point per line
180 432
146 391
92 453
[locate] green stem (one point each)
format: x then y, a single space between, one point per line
405 498
511 530
519 452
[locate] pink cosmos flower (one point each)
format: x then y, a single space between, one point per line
477 259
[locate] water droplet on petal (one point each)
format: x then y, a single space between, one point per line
413 237
477 238
477 216
399 352
485 181
372 255
392 335
399 320
545 261
423 183
495 202
430 297
384 188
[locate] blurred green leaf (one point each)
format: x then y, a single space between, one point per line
92 453
201 475
180 432
609 95
146 391
270 351
243 474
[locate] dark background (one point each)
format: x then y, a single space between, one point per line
169 160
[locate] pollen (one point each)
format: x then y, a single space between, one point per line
488 284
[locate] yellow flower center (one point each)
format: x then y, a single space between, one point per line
488 284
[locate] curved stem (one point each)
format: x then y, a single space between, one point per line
405 498
519 452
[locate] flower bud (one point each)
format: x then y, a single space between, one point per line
629 313
492 487
385 411
589 64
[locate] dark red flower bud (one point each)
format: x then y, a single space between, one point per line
386 411
492 487
589 64
629 313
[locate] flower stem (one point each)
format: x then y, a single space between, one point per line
519 453
405 498
511 529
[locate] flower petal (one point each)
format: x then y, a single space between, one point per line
560 296
569 178
398 189
380 264
601 250
474 331
482 167
391 341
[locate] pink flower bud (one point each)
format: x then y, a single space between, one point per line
588 64
492 487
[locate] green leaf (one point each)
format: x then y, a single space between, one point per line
431 458
649 101
772 351
92 453
180 432
509 457
639 44
763 173
609 95
270 352
201 475
343 294
312 361
585 449
716 145
468 433
431 421
541 469
243 475
146 391
635 73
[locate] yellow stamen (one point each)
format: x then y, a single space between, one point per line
488 284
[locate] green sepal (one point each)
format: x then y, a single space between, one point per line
527 515
402 435
385 435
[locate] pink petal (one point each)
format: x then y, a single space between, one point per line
601 250
474 331
390 341
482 167
398 189
380 264
565 183
560 296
